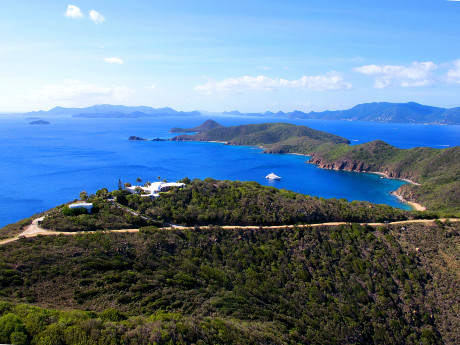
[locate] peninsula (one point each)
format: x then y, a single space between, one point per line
434 173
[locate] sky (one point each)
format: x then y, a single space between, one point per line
251 55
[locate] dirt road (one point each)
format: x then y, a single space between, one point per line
34 229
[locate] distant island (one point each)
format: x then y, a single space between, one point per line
375 112
434 173
113 111
39 122
410 112
134 138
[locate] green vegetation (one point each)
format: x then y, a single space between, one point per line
205 126
274 137
324 285
249 203
105 215
219 203
437 170
14 229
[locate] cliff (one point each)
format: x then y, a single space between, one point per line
435 172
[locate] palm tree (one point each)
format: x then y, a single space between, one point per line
138 179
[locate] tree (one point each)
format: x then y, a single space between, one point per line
138 179
10 324
138 190
159 178
83 196
146 184
120 184
102 193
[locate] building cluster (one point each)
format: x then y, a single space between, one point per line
153 190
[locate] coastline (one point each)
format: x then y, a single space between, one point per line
414 205
393 178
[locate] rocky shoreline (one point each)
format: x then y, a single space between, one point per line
404 195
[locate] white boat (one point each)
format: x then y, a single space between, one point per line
272 176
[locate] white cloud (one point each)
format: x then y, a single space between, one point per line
77 91
151 87
114 60
417 74
73 12
453 75
329 81
266 68
96 17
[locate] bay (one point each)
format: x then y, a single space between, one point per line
46 165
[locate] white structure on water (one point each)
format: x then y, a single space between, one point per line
86 205
155 188
272 176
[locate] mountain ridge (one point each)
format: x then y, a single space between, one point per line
410 112
109 110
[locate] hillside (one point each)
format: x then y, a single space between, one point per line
205 126
279 137
377 112
437 170
345 284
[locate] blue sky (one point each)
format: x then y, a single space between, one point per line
248 55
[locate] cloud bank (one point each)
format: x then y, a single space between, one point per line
453 74
386 76
328 81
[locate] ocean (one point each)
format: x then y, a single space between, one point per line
47 165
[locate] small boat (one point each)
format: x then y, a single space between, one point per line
272 176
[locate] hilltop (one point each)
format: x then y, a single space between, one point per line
282 137
204 127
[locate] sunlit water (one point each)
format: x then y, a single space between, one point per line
46 165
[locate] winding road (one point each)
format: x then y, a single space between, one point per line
35 229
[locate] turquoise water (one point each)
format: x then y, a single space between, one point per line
43 166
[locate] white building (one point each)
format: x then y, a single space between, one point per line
86 205
155 188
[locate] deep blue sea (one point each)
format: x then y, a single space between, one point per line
46 165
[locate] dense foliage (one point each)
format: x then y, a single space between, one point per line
279 137
249 203
345 284
437 170
105 215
